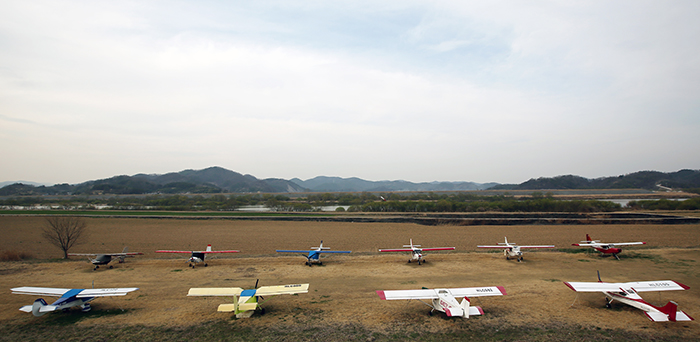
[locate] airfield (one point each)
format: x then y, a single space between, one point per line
342 303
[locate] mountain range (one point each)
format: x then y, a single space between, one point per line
220 180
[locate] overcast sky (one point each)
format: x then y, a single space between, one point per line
497 91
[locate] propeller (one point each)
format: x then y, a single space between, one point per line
600 281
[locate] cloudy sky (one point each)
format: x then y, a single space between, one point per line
498 91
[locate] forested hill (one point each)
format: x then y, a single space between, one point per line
220 180
210 180
683 179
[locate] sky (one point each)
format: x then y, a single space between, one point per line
497 91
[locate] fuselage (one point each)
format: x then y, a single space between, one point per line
631 298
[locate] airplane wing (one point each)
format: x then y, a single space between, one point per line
639 286
40 291
407 294
396 250
438 249
493 246
282 289
659 285
188 252
610 244
478 291
215 291
538 246
334 251
110 254
106 292
292 251
209 252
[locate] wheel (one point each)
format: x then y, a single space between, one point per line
430 313
320 263
111 267
205 265
507 258
262 311
409 261
418 262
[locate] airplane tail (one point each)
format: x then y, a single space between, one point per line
669 312
470 310
123 257
208 248
588 238
39 308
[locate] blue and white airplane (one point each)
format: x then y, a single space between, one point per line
68 298
313 254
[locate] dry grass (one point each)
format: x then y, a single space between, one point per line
342 294
15 255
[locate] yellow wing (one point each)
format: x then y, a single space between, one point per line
215 291
282 289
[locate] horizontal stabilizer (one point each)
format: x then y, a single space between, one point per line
48 308
454 312
227 308
26 308
475 311
662 317
247 306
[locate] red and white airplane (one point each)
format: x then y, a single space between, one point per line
198 256
416 251
606 248
513 250
628 293
445 300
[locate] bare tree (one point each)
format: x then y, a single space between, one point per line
64 232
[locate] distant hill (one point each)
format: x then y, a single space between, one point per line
220 180
210 180
337 184
683 179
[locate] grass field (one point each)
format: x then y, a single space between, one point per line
342 303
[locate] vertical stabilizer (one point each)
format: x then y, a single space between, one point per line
670 309
208 248
588 238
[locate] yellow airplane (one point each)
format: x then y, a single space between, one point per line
245 302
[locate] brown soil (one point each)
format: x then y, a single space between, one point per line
343 289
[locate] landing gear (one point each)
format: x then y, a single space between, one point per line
86 307
615 255
608 303
507 257
430 313
205 264
111 267
96 267
262 311
520 259
320 263
418 262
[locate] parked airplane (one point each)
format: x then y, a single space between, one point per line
106 258
198 256
628 293
606 248
245 302
445 300
416 251
313 254
68 298
513 250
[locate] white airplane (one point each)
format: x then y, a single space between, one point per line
445 300
68 298
606 248
106 258
628 293
513 250
198 256
314 253
416 251
245 302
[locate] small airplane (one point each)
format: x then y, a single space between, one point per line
313 254
68 298
606 248
416 251
445 300
106 258
628 293
513 250
198 256
245 302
